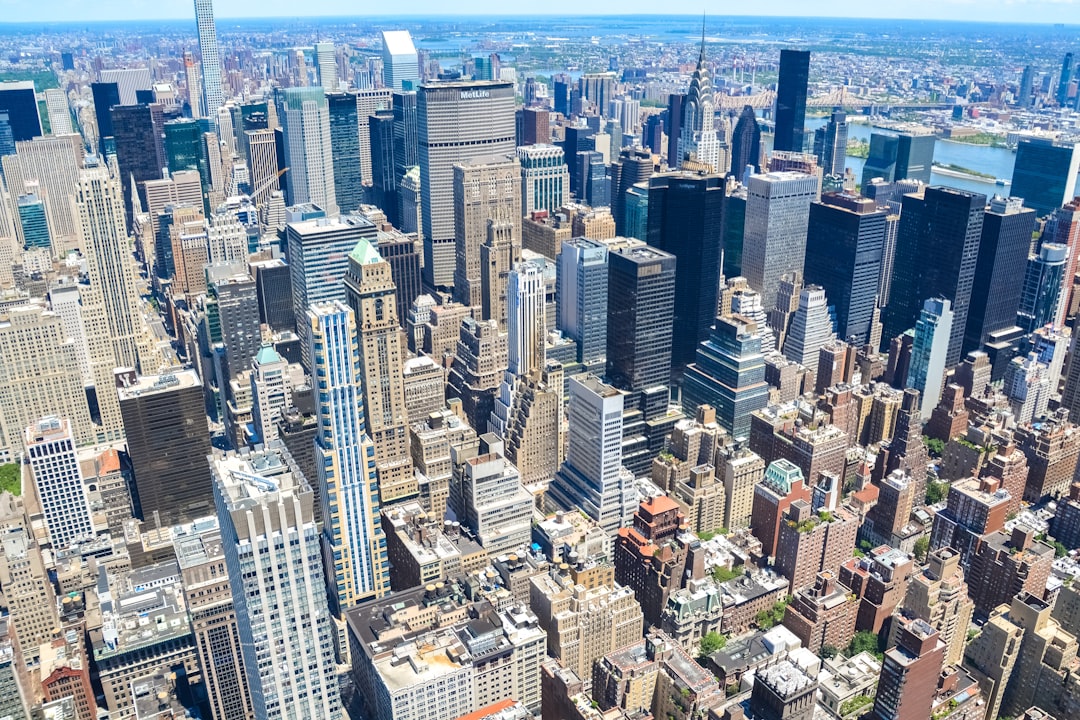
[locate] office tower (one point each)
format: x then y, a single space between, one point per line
1028 386
319 258
791 100
167 440
406 138
1004 246
370 294
936 254
326 63
1044 173
728 374
348 488
271 392
1065 79
583 299
213 90
746 143
309 153
633 167
272 284
345 140
41 377
641 292
485 191
593 183
1024 92
264 165
811 329
28 592
844 242
183 146
65 300
562 92
782 485
545 178
264 501
19 101
909 673
525 319
479 361
938 595
593 478
401 69
115 326
368 103
105 95
536 121
1041 294
775 230
131 82
33 226
930 348
698 141
383 181
487 495
14 693
58 481
52 163
905 155
200 555
238 315
686 219
830 144
140 149
194 86
459 123
599 90
56 104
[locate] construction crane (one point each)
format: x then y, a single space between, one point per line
269 181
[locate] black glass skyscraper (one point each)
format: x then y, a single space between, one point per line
996 289
383 185
746 142
674 127
634 166
844 242
1044 173
937 249
1066 78
791 100
593 183
140 148
105 96
899 156
686 219
18 100
406 143
830 144
345 139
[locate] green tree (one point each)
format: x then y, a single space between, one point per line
828 652
936 492
935 446
922 546
864 641
710 643
11 478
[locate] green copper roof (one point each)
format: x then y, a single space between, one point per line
266 355
365 253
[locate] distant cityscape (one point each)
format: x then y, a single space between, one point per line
539 367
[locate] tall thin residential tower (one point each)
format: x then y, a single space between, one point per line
211 56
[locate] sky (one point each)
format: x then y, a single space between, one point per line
1027 11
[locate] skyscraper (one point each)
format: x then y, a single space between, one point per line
326 62
485 190
936 254
907 155
582 298
686 215
194 86
844 243
54 163
140 148
1065 79
134 83
345 140
525 319
263 164
995 296
929 349
33 226
406 144
1027 81
58 481
909 673
641 293
213 90
309 152
1044 173
368 103
810 330
830 144
348 485
1040 296
791 87
19 101
105 96
59 114
238 314
746 143
168 441
400 62
370 293
545 178
458 123
383 180
728 373
698 140
593 478
774 232
265 507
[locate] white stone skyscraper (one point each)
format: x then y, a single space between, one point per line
50 448
545 178
265 507
211 56
811 329
194 86
525 319
698 140
400 62
774 235
305 118
327 64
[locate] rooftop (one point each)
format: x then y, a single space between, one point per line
785 679
158 384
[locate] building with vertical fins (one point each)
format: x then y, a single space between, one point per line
213 90
354 544
775 230
265 508
371 295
